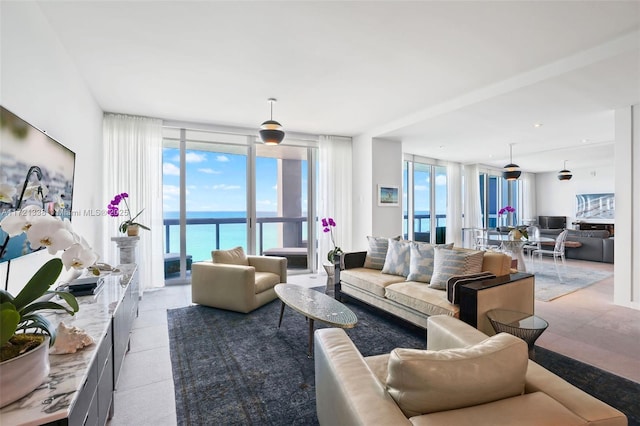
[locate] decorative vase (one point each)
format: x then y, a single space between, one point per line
133 230
21 375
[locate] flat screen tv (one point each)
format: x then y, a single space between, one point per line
34 163
595 206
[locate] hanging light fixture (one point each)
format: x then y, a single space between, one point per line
511 171
565 174
271 132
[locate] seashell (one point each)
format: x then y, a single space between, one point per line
69 340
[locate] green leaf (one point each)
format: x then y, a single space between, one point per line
39 283
39 306
70 299
5 296
39 322
9 319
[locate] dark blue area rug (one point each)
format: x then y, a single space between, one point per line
240 369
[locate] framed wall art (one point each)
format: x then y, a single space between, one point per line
388 195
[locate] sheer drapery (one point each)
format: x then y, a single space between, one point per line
133 154
454 204
528 196
472 204
334 193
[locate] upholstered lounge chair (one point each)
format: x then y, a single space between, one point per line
237 282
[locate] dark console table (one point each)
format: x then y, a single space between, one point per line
593 226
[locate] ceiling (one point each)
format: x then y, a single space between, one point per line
455 80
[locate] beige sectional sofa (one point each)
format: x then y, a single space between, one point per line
416 301
462 378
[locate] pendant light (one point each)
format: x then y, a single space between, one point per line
564 174
511 171
271 131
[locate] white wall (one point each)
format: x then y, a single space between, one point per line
375 161
558 198
41 85
626 290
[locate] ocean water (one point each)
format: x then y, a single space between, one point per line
201 238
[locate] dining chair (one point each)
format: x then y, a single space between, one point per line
534 235
558 251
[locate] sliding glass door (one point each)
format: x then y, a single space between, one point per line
425 201
223 191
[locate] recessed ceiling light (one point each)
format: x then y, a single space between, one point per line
584 140
537 125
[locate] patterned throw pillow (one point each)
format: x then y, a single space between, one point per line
377 252
448 263
421 262
235 256
397 260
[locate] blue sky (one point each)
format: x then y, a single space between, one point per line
217 181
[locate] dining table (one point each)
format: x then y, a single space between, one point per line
514 246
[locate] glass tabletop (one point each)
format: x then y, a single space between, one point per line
517 319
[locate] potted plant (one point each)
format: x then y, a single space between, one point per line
328 224
129 226
25 334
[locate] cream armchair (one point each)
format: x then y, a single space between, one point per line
237 287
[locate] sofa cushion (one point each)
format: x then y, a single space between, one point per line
530 409
235 256
397 260
265 281
370 280
498 264
448 262
423 381
377 252
422 298
421 261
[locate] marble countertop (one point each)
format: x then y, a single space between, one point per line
53 399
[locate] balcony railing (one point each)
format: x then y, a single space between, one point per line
218 221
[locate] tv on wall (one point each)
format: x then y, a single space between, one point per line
38 168
595 206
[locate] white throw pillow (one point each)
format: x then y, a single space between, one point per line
450 262
397 260
423 381
421 261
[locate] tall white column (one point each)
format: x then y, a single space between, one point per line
627 237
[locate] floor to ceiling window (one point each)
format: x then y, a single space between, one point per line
225 190
425 201
496 193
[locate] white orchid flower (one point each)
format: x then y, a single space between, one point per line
35 190
50 233
21 221
78 257
7 192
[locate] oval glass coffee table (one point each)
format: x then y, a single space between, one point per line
525 326
315 306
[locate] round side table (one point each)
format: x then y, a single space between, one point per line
525 326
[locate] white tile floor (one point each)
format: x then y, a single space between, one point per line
584 325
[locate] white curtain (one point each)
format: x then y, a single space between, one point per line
454 204
334 192
472 203
133 154
528 196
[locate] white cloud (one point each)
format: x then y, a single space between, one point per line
441 180
209 171
170 191
194 157
225 187
264 202
420 187
275 187
222 158
170 169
